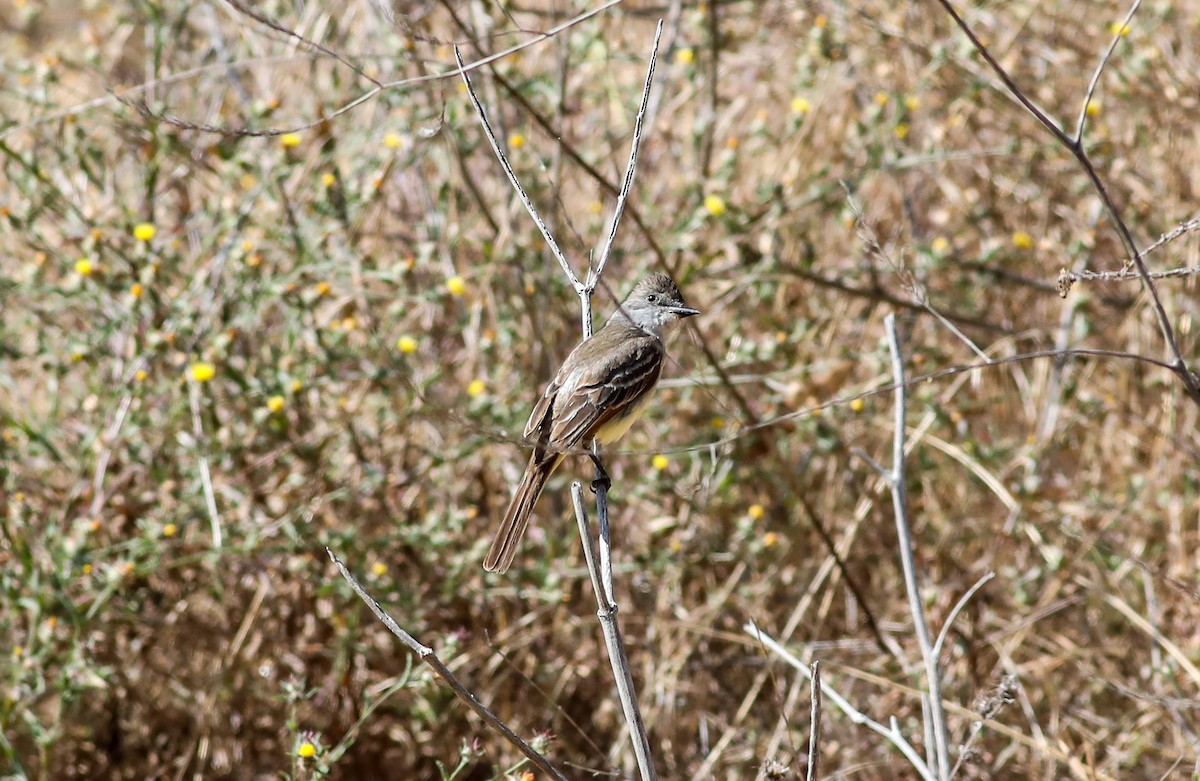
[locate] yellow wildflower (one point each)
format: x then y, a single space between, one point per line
275 404
756 511
1022 240
940 245
144 231
857 405
328 179
202 372
169 530
770 539
1119 28
715 205
306 750
1093 108
516 140
392 141
881 98
379 569
476 388
901 131
660 462
406 344
456 285
685 56
289 140
800 105
84 267
137 290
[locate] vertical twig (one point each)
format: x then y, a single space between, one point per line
607 613
814 720
939 761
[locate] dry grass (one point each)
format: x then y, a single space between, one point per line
137 651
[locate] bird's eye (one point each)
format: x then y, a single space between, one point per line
652 297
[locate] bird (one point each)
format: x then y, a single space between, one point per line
599 392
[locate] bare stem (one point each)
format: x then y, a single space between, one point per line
601 576
940 761
814 720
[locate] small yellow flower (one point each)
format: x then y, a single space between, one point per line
328 179
128 568
820 22
321 289
940 245
660 462
202 372
800 105
144 231
87 569
306 750
137 290
247 181
379 569
17 651
456 285
715 205
595 207
901 131
756 512
247 245
516 140
140 375
297 386
717 423
275 404
392 140
857 405
1093 108
1117 28
1022 240
881 98
527 776
676 546
732 142
685 56
912 102
406 344
289 140
770 539
84 267
476 388
170 530
349 324
254 260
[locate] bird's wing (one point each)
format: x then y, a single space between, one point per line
593 389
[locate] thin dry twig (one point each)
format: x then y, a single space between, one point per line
427 655
814 720
1075 146
939 761
606 611
891 733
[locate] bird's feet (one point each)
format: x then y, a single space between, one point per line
602 479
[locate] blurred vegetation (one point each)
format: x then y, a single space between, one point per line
332 337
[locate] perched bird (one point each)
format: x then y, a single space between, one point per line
601 389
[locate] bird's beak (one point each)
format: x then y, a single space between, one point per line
685 311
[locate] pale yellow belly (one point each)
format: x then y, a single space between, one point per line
615 429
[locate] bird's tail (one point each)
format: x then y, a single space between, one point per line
516 517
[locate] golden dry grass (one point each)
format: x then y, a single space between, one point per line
137 651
